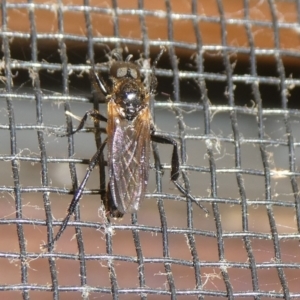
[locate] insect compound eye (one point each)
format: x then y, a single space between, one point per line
133 73
121 72
124 70
127 72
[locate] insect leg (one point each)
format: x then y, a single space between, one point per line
78 194
175 166
110 206
175 159
91 113
153 80
98 84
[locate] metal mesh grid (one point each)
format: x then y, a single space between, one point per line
239 157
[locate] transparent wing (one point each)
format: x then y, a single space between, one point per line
128 158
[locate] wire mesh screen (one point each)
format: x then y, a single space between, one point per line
228 90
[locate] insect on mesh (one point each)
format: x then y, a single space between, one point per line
228 92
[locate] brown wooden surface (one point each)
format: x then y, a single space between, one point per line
129 25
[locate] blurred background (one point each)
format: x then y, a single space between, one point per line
228 92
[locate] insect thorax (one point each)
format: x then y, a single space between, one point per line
131 96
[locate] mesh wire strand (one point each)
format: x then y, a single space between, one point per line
261 217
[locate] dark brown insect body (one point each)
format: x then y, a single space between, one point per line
129 133
128 140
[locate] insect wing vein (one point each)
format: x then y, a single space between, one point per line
128 158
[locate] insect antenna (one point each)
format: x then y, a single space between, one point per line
162 50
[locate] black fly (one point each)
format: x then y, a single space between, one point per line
130 131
